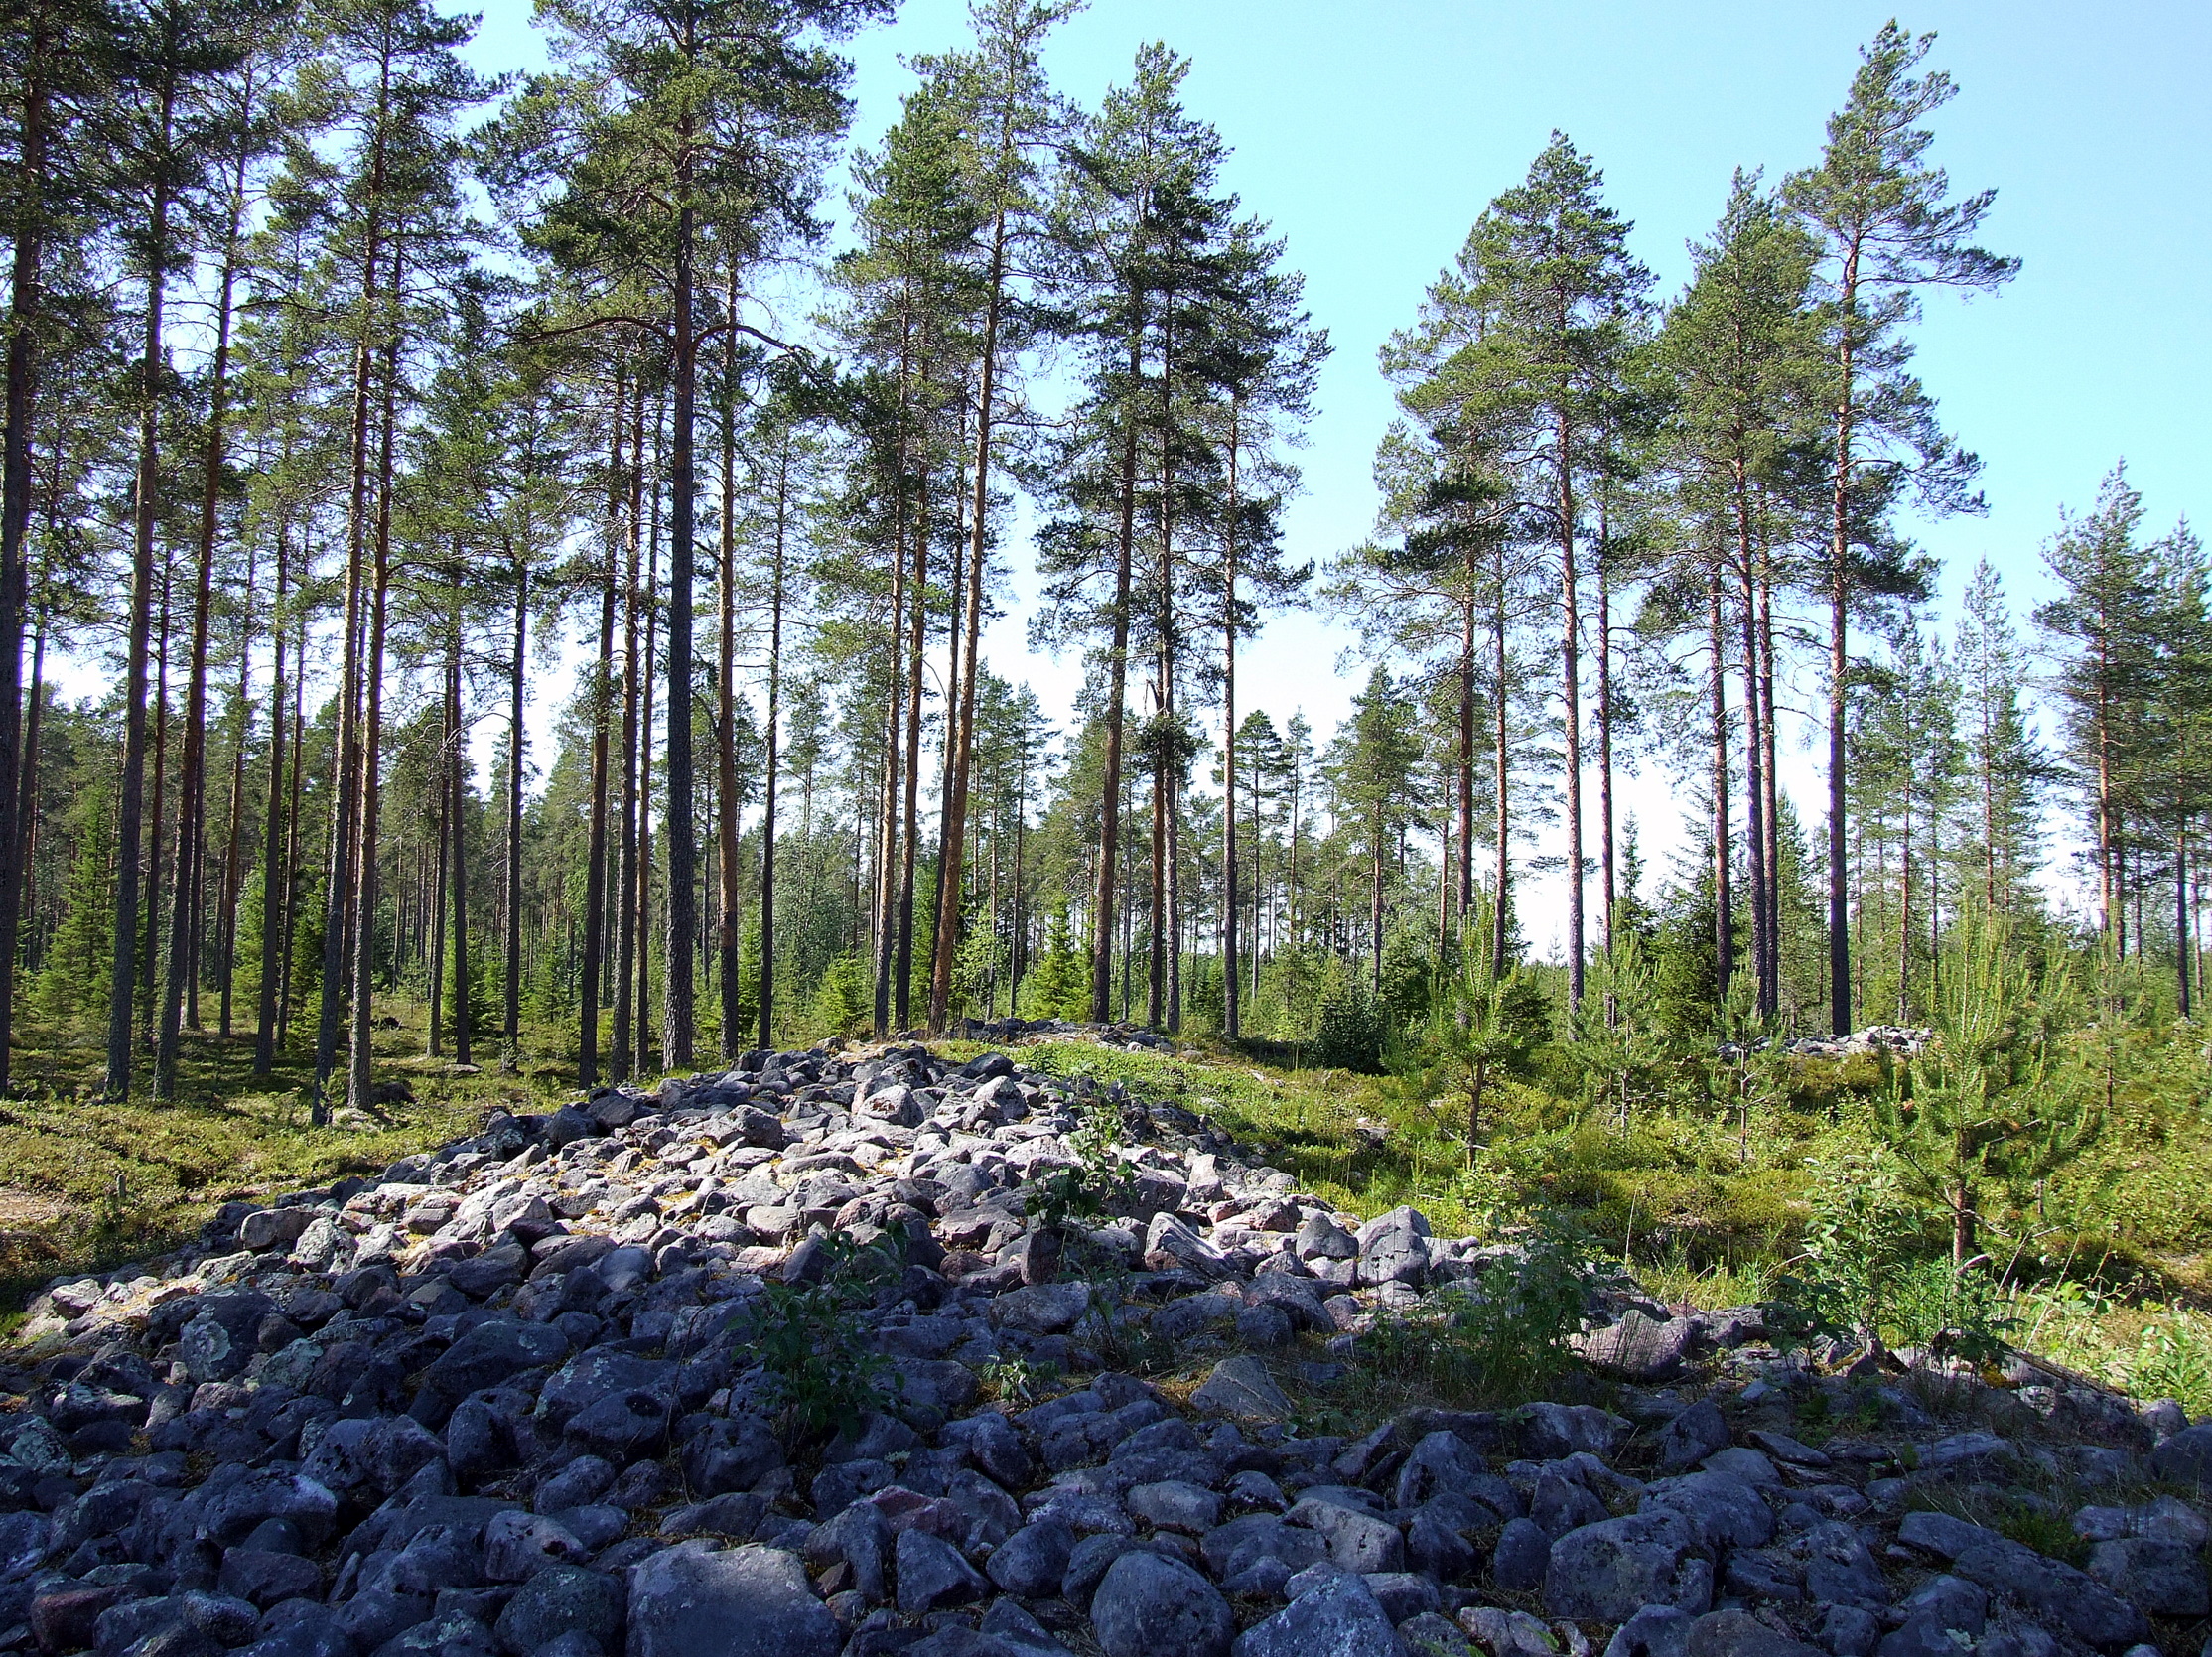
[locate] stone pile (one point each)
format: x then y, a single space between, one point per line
504 1402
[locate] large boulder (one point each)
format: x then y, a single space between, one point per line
1608 1572
1151 1607
1339 1618
691 1600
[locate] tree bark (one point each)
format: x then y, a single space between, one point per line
457 857
510 1020
339 897
726 917
774 760
361 1086
1103 909
678 1020
1724 905
1571 701
1839 659
184 879
1231 917
131 804
17 762
626 897
272 836
591 968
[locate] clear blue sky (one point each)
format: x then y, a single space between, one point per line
1371 134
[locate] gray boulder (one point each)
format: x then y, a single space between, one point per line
561 1600
1639 1349
1524 1549
1151 1607
1690 1436
2165 1578
1736 1633
1654 1632
1721 1511
1241 1386
692 1601
1608 1572
2186 1458
931 1574
2085 1606
1339 1618
1031 1562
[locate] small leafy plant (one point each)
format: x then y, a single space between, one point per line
1502 1337
824 1379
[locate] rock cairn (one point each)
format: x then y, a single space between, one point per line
504 1401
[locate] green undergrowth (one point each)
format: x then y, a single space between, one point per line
2101 1266
86 1184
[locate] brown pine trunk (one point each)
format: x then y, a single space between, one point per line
457 858
626 899
1770 777
434 910
1501 871
775 691
130 822
510 1021
591 968
726 703
185 877
228 944
1104 909
1232 918
1605 734
885 908
1755 825
1838 661
339 906
18 763
289 890
678 1014
359 1078
910 801
273 883
1724 901
1571 699
651 602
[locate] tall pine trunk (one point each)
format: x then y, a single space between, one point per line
273 874
626 897
360 1085
185 874
1724 897
341 863
591 969
726 702
911 801
773 757
457 856
1571 706
1104 908
678 1020
130 819
1838 659
948 906
1231 917
510 1014
18 761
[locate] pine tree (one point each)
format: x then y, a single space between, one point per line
1740 355
1888 232
2111 608
2007 769
1548 301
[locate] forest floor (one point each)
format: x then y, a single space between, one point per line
1705 1211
